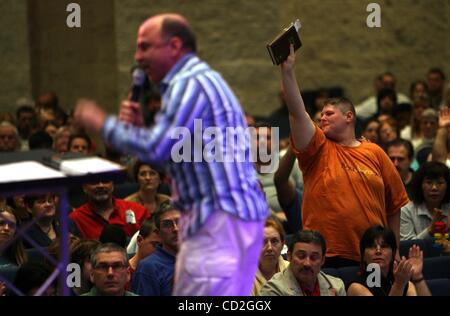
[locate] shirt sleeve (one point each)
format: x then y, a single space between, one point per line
184 103
407 230
307 156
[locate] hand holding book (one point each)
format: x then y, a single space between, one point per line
279 48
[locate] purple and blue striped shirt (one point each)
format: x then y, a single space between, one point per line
192 91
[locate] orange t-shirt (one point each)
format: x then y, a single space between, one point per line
346 191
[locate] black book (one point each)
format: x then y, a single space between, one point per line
279 48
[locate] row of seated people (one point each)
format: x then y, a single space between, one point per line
151 268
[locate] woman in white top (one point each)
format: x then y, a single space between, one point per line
430 191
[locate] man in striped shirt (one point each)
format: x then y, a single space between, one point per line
223 207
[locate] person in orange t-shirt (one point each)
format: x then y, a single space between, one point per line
349 185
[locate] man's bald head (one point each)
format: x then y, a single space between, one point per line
173 25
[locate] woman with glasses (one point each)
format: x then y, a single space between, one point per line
430 193
380 274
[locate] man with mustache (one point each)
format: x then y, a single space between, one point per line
303 277
103 209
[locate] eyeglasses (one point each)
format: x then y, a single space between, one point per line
116 267
169 223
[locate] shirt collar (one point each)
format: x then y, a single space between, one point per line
173 71
423 211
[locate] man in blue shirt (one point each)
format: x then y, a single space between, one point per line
154 274
223 208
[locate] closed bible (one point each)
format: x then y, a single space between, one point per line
279 48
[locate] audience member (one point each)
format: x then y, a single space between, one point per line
102 209
30 278
9 137
113 233
404 278
26 124
149 180
289 196
154 275
270 261
430 191
46 227
81 255
436 81
440 151
109 272
349 185
14 254
303 276
401 153
80 143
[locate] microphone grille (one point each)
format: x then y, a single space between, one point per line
138 77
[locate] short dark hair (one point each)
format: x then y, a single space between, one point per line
30 199
429 170
80 135
113 233
175 28
31 275
402 142
308 237
163 208
369 237
343 104
40 140
386 92
147 227
437 70
25 109
139 163
83 250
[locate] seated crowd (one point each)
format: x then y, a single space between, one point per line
124 237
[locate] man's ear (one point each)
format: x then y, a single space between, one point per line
289 256
350 116
176 45
91 276
139 240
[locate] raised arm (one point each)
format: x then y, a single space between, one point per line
440 152
302 127
284 185
286 191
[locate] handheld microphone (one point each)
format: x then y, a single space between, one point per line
138 83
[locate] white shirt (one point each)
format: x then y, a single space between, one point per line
415 220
